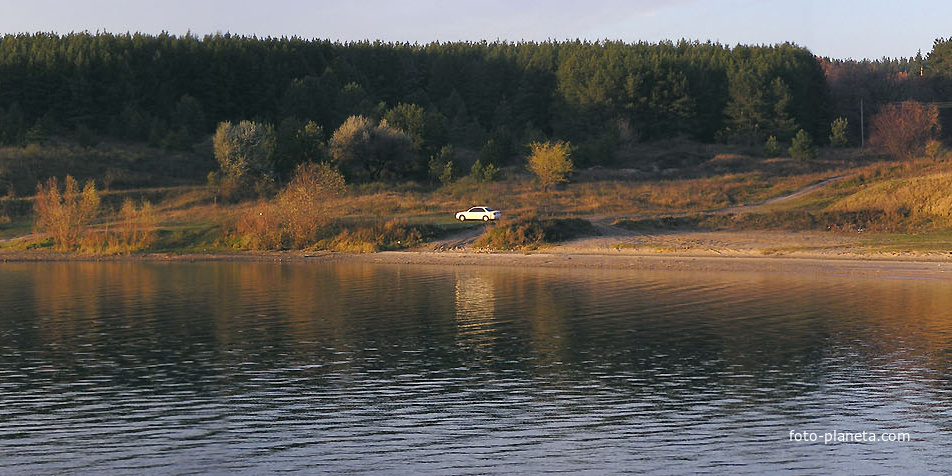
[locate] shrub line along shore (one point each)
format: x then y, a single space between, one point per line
924 267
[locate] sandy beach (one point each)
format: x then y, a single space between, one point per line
709 252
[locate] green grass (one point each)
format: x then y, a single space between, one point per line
15 227
26 244
391 235
901 242
783 220
193 239
112 165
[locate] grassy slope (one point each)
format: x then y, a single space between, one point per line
913 196
112 165
911 201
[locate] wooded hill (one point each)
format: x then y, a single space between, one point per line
172 91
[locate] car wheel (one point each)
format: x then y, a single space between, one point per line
485 218
462 218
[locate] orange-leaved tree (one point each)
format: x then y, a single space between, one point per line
308 202
300 212
904 129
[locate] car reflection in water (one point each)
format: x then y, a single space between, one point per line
475 310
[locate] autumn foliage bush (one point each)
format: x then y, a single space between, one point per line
65 214
136 228
904 129
297 216
550 162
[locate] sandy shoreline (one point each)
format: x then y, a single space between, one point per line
825 266
928 267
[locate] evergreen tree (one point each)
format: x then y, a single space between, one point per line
745 109
297 142
802 148
164 88
483 173
442 169
188 117
772 147
838 132
777 120
11 125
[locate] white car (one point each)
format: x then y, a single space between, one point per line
478 213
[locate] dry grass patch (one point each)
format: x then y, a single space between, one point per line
926 197
379 236
531 232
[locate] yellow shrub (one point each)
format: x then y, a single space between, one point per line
65 215
136 228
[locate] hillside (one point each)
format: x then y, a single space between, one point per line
668 136
842 193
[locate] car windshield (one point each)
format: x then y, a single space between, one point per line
489 209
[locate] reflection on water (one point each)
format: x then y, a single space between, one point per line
475 319
253 367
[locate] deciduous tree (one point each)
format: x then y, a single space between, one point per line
301 211
904 129
550 162
367 151
244 152
65 214
307 202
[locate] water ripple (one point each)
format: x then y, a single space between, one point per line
260 368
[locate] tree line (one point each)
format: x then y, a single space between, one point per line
862 88
492 98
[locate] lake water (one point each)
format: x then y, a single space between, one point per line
314 367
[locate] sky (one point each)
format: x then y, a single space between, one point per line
834 28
